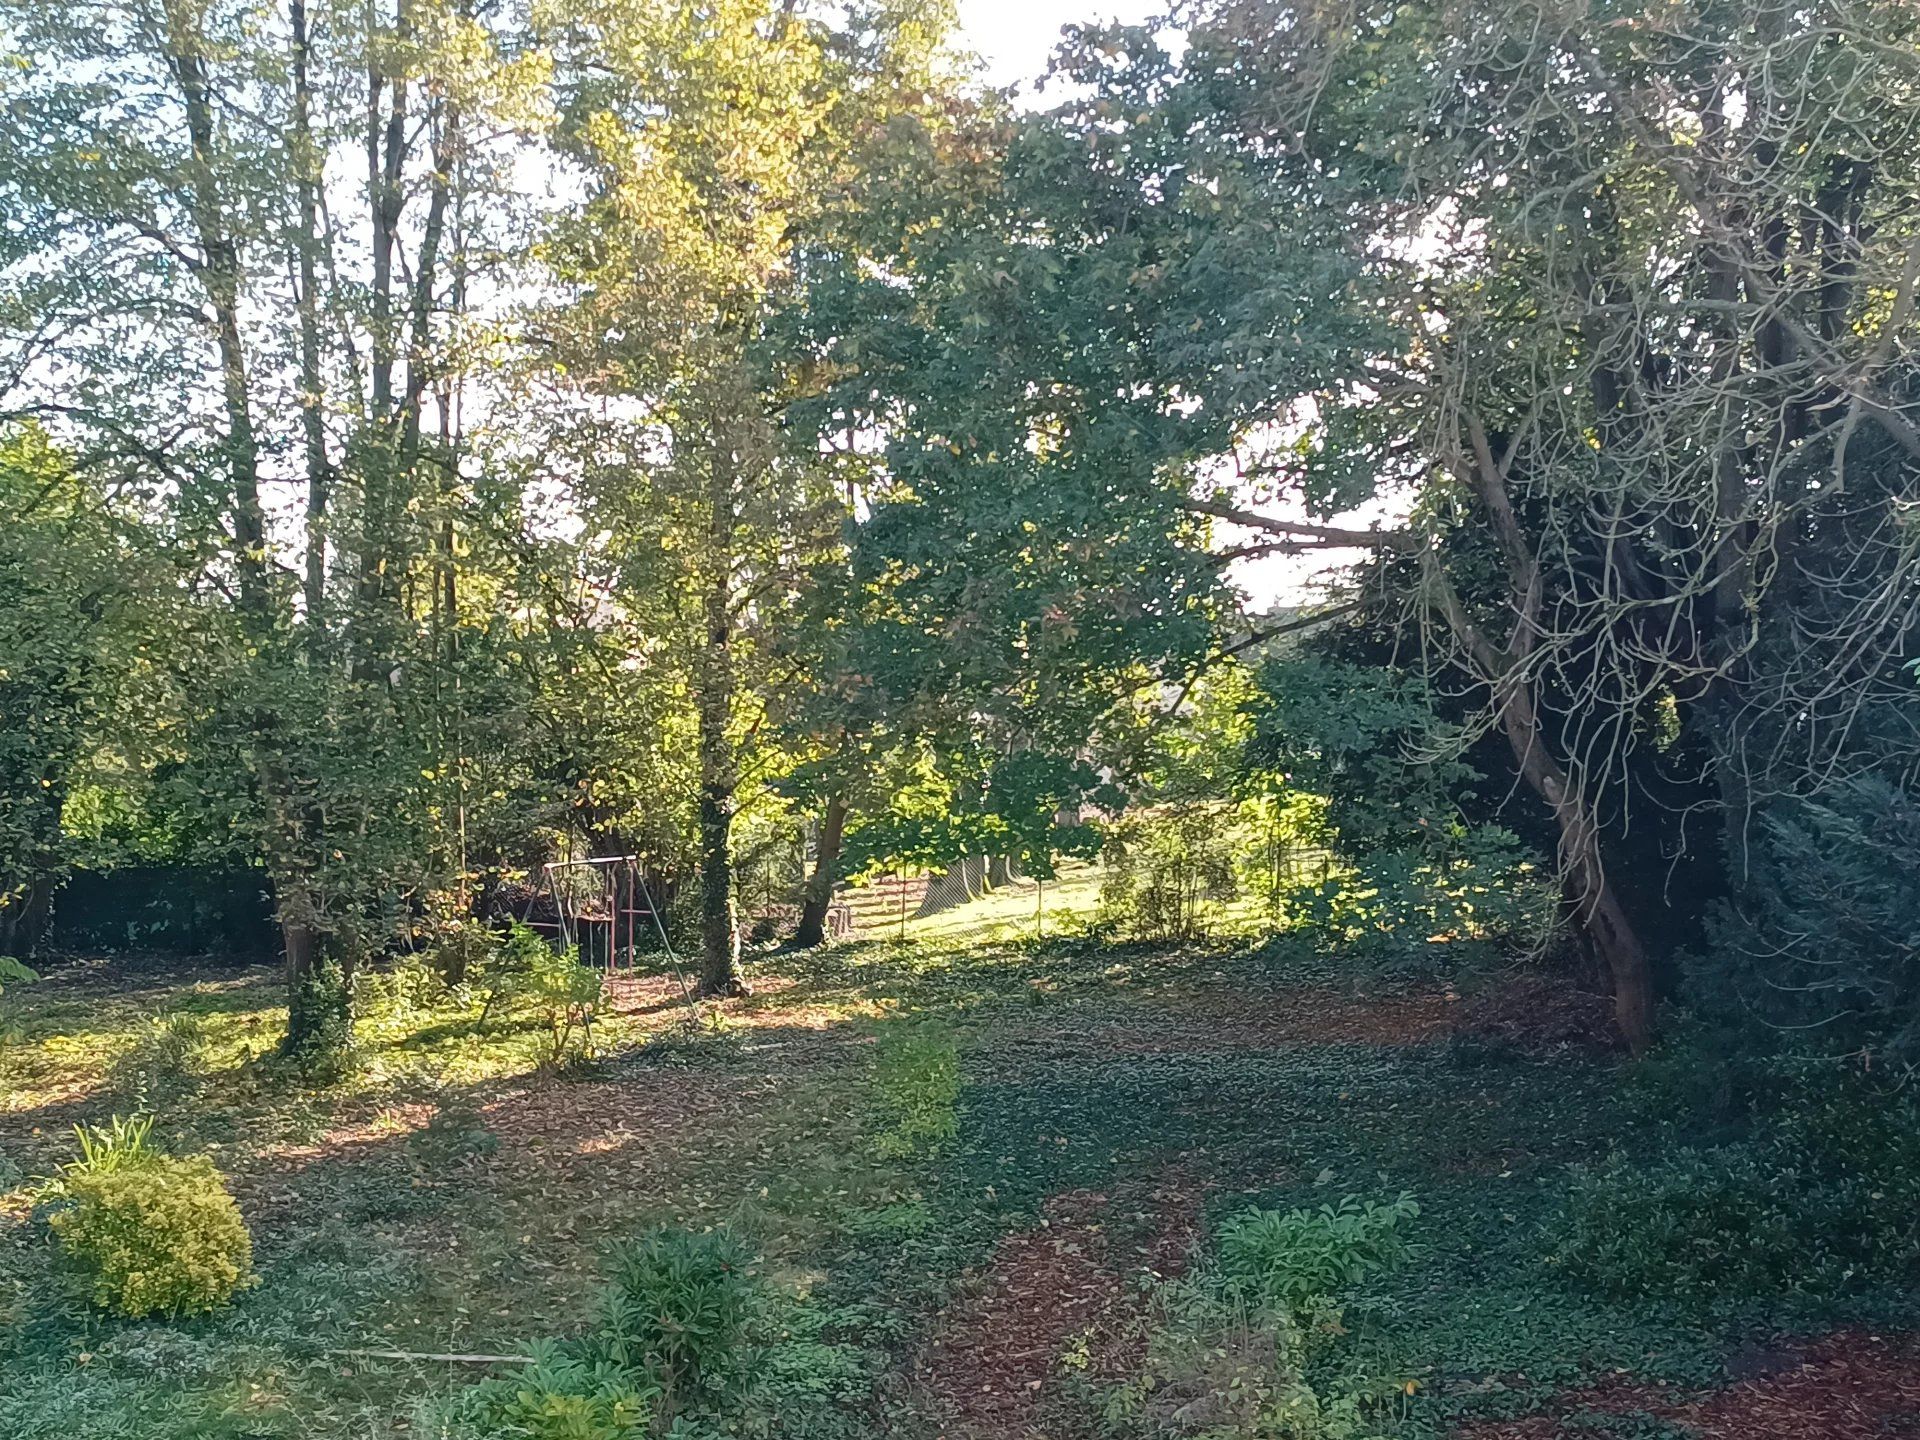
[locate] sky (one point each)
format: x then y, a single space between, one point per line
1016 37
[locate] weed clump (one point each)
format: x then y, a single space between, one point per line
670 1349
1295 1258
165 1064
1240 1347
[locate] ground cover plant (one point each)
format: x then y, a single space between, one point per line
709 729
1173 1195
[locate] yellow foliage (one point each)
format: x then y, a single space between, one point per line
159 1236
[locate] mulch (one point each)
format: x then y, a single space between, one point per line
989 1369
1849 1385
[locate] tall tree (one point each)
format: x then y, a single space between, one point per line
718 141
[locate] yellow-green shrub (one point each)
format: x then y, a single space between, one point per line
152 1234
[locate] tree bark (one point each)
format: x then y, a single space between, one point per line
720 972
819 898
1590 895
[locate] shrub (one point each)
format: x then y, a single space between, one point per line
1822 1198
1164 869
1216 1369
1290 1259
561 1395
1821 937
916 1079
1394 908
669 1350
677 1312
522 973
147 1233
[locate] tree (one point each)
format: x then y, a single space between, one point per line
1616 303
192 311
716 142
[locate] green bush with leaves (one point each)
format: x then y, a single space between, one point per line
1167 870
562 1394
1239 1348
522 974
1823 1197
1290 1259
669 1352
916 1082
146 1233
677 1311
1406 909
1216 1370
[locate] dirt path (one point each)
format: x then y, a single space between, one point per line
993 1369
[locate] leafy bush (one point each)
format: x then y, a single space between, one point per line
1229 1352
1290 1259
670 1350
1822 935
1823 1198
1391 907
561 1395
1217 1370
916 1079
1164 869
677 1311
522 973
147 1233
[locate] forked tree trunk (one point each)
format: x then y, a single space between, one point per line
1591 897
826 862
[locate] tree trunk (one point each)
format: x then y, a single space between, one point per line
720 972
314 1011
826 861
319 995
1590 895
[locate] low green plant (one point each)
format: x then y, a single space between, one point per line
916 1083
677 1312
12 972
166 1062
670 1352
560 1395
145 1233
565 995
1238 1350
1290 1259
1822 1196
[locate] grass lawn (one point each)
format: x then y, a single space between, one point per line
1116 1103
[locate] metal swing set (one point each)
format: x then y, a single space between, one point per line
601 908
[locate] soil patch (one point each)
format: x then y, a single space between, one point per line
1845 1386
991 1371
